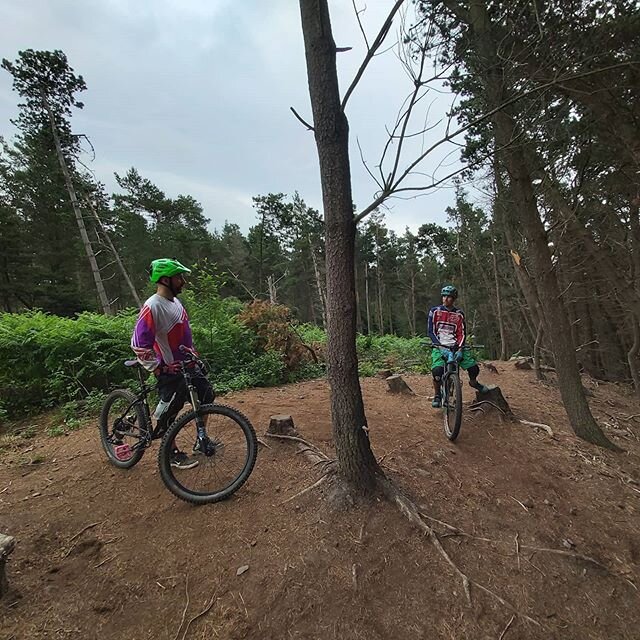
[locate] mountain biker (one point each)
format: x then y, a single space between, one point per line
161 340
446 327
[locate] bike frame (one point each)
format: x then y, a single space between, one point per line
150 433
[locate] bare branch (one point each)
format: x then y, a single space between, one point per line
304 122
382 34
366 166
358 12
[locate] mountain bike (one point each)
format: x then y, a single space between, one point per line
451 389
221 438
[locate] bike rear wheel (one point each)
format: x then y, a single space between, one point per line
452 406
122 425
223 469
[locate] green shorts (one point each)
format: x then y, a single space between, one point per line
437 359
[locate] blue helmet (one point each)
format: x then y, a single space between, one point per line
449 290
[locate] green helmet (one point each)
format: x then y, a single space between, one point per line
166 267
449 290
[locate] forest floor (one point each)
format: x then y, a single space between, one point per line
553 528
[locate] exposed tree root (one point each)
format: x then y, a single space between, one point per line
309 488
411 512
297 439
561 552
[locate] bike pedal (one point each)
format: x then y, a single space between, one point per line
123 452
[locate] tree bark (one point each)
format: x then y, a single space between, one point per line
356 462
95 270
554 314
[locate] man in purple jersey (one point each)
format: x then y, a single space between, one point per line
160 339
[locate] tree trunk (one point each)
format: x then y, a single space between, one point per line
413 302
319 287
273 293
95 270
536 351
554 314
115 253
379 288
356 462
503 337
366 293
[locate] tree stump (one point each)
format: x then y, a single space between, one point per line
492 403
398 385
282 425
524 364
7 543
384 373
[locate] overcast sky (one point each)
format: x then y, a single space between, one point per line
196 93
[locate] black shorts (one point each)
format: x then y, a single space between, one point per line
173 389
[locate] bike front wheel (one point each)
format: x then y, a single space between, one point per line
452 406
228 458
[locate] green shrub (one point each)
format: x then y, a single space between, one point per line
48 361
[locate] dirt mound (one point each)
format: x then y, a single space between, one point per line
546 523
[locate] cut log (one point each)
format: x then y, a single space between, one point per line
384 373
525 365
7 544
492 402
398 385
282 425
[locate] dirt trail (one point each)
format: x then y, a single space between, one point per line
316 573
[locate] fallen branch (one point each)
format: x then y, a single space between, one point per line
186 606
297 439
199 615
263 443
569 554
520 503
105 560
89 526
313 486
502 635
544 427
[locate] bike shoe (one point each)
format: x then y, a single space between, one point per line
181 460
480 388
436 403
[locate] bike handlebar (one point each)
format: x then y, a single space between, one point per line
190 355
465 346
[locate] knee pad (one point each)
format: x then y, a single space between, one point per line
437 373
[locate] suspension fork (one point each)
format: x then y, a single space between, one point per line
195 403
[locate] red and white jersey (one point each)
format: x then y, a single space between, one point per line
446 326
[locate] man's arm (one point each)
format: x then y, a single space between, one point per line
461 330
430 329
143 339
